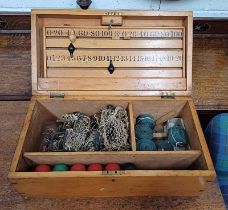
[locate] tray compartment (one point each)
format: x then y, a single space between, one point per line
156 160
183 109
45 112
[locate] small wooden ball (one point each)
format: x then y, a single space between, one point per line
112 167
42 168
72 37
95 167
78 167
60 167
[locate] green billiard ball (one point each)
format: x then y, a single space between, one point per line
60 167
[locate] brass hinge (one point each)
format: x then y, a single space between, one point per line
169 95
57 95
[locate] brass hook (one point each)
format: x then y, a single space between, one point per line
110 24
111 67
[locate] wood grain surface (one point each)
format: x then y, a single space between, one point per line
15 57
11 117
15 68
16 22
210 73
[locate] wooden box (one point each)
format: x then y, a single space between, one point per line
152 55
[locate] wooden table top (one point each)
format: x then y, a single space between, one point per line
12 114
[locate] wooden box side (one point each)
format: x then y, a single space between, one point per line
131 183
21 141
199 132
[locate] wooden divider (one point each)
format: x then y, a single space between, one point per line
132 127
156 160
57 84
120 73
120 58
115 44
122 32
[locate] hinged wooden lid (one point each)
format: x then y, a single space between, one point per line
151 52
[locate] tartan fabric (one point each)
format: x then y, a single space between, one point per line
216 134
223 183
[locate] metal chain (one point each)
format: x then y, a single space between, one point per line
107 130
114 129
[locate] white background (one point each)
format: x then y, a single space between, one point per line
200 8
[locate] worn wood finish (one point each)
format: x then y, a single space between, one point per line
13 113
215 27
15 66
15 59
211 73
110 185
16 41
16 22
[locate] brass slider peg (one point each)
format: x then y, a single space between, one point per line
71 47
72 37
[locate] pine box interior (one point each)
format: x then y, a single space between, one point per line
152 53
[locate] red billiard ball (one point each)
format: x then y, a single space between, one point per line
112 167
78 167
42 168
95 167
